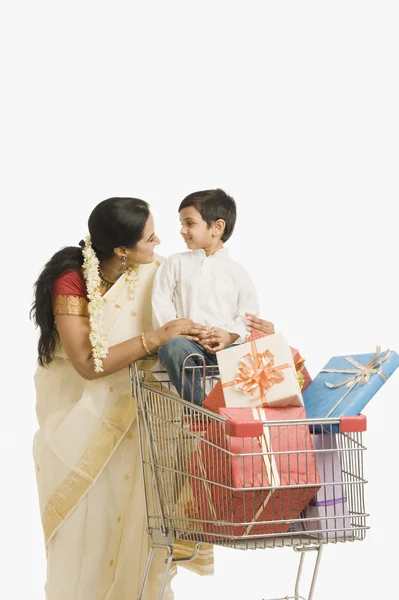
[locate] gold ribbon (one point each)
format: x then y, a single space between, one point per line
301 379
299 367
273 475
257 370
360 375
300 364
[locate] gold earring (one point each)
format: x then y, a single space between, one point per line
123 266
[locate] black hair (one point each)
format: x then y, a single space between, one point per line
213 205
113 223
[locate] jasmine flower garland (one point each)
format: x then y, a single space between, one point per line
98 339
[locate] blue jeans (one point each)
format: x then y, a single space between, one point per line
173 354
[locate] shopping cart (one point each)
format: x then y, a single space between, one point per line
173 433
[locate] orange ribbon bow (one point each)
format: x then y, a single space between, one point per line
257 370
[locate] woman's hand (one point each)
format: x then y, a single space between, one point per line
259 324
182 327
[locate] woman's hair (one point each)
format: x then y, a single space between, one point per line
115 222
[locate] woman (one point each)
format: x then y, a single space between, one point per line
93 309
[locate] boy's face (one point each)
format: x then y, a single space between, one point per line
194 229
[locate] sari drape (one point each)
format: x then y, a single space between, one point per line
88 469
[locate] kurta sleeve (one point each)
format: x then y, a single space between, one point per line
247 302
163 306
70 295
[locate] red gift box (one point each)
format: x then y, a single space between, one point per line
301 371
226 486
215 398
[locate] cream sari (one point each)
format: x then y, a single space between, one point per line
89 472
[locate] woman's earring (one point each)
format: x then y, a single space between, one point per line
123 266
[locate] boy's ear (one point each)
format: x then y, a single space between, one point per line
219 227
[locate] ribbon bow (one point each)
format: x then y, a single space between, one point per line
257 371
360 375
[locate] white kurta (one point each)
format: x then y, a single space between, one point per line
215 291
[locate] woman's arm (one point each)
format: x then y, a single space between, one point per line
74 334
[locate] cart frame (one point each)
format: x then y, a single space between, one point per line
172 430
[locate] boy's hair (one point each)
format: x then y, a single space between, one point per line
213 205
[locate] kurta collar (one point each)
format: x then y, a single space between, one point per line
221 253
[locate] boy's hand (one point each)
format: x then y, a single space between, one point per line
259 324
217 340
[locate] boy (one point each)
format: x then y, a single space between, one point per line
205 285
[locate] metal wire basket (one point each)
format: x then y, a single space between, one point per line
241 484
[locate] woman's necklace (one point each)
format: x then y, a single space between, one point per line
106 281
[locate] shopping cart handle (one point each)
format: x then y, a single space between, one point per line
353 424
244 429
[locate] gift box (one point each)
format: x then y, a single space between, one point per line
302 373
347 384
215 398
259 373
250 495
329 508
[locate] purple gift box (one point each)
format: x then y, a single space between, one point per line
329 508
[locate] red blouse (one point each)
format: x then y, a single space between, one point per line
70 295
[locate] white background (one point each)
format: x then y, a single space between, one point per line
290 106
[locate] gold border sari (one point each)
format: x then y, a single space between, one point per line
89 472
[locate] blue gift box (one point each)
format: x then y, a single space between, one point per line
347 383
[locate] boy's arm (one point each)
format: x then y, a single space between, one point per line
163 308
247 303
234 331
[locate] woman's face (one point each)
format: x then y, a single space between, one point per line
143 251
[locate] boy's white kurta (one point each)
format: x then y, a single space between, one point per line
214 291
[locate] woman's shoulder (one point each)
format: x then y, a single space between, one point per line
70 295
70 283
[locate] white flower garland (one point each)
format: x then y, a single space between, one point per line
132 278
98 339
